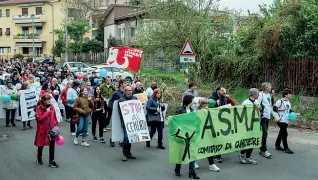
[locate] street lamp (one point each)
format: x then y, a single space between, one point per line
52 25
33 48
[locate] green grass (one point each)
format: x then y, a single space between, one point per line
175 85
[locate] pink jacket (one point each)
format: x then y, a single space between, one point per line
42 118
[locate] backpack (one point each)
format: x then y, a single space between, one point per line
275 113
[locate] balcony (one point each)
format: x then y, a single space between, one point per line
26 21
27 38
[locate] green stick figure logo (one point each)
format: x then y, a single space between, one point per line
269 100
185 130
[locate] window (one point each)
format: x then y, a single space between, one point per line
116 70
1 50
133 32
25 11
0 31
25 50
38 10
9 50
107 3
7 12
25 31
0 13
39 30
7 32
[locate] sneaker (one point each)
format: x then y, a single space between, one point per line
130 156
120 144
279 148
85 144
242 158
82 134
219 160
288 151
105 130
124 158
14 125
73 133
39 162
265 154
109 128
161 147
95 138
102 140
196 166
53 164
213 167
250 161
75 141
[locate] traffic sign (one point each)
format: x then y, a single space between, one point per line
187 54
187 49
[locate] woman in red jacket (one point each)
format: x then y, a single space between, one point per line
64 99
46 120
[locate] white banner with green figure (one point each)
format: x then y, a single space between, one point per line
205 133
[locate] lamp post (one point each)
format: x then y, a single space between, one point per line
52 27
33 47
66 35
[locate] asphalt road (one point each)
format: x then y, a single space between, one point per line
102 162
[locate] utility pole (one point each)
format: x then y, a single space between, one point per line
33 48
66 34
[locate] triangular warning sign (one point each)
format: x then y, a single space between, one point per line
187 49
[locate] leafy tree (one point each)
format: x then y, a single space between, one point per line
76 31
59 47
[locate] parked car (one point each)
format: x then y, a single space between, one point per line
50 61
73 67
113 72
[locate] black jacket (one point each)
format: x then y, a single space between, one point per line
183 110
122 99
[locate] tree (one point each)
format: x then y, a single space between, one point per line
170 23
82 9
59 47
76 31
100 32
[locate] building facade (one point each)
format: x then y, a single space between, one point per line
25 21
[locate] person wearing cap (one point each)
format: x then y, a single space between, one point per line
10 106
72 94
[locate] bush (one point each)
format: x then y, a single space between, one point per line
18 56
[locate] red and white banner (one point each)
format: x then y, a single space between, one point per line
125 58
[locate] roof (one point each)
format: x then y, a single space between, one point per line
5 2
142 12
112 6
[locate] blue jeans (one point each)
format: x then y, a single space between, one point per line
82 127
126 144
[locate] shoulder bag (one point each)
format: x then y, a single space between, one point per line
76 118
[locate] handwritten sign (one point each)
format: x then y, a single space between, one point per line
135 121
142 97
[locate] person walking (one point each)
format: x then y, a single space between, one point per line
64 99
72 94
265 102
283 107
245 155
25 86
155 108
107 90
203 105
186 107
83 106
126 145
46 120
98 114
11 105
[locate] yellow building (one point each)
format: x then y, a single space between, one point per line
18 19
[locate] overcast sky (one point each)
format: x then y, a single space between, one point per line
244 5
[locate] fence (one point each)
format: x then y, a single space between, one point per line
101 58
301 75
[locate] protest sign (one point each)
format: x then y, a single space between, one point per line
117 130
135 121
28 102
142 97
57 109
205 133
